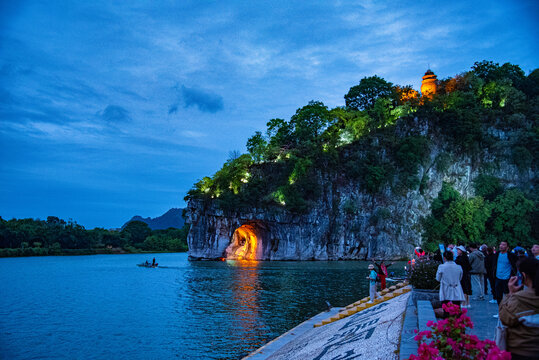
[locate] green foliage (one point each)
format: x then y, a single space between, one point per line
29 237
381 214
487 186
443 162
353 124
168 240
490 71
375 141
460 121
512 218
257 146
310 121
411 152
522 158
500 216
136 232
364 95
465 220
375 177
423 275
350 207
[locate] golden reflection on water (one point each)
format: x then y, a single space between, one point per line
245 287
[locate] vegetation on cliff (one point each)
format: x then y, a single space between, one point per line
381 140
54 236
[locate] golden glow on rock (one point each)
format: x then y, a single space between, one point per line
243 245
428 85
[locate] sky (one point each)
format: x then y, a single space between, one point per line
115 109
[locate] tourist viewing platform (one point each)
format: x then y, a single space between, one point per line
383 330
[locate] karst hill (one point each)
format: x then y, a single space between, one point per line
391 170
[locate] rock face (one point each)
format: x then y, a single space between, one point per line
346 222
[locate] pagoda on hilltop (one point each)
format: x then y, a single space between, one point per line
428 85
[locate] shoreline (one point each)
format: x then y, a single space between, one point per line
85 252
348 332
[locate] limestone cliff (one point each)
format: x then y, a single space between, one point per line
346 222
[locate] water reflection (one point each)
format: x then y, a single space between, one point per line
245 302
231 308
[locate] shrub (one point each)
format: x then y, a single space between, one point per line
448 340
423 275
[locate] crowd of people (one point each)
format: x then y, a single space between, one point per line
513 276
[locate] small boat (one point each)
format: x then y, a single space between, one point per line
148 265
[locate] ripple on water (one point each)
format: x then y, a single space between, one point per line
103 306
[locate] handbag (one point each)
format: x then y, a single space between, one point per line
501 336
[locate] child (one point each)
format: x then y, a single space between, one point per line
372 282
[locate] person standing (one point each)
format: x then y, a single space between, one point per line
449 275
483 248
504 268
372 283
519 311
453 249
491 276
478 271
535 251
465 282
382 272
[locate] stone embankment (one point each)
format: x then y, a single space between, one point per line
361 330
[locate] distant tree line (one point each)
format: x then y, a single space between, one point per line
54 236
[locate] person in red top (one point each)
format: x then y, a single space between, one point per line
382 272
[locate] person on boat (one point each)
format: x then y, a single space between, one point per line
153 262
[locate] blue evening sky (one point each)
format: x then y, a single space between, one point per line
112 109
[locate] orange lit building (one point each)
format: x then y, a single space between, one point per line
428 85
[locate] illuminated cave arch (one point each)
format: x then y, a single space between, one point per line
245 244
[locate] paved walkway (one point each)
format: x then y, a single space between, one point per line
481 314
351 337
372 333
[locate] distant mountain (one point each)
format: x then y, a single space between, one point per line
172 218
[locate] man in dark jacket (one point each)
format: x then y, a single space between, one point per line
490 258
504 267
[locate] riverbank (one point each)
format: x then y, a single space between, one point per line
383 331
362 329
27 252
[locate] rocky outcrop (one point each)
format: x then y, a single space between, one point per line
346 222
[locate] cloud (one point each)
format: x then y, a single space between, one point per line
115 114
204 100
173 109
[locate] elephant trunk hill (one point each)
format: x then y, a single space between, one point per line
376 179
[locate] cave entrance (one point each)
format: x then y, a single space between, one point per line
244 244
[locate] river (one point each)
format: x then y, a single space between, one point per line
104 306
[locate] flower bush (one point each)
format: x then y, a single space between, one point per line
423 275
448 340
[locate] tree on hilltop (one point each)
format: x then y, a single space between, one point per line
364 95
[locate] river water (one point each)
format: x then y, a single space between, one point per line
104 306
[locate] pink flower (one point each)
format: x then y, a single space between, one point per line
450 340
